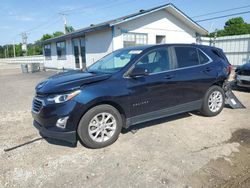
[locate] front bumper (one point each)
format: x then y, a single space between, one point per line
46 118
243 81
69 136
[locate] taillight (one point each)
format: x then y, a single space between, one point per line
229 69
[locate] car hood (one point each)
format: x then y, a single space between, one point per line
67 81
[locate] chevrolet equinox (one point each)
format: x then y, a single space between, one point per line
130 86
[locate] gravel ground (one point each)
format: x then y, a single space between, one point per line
187 150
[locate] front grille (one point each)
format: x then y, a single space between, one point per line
37 105
39 95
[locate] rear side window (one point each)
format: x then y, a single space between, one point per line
186 56
220 54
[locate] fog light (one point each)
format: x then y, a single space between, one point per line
62 122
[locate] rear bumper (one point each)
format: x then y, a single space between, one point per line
69 136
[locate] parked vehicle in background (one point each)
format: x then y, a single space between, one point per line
127 87
242 76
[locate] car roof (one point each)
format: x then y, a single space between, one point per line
148 47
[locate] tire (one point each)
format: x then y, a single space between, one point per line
208 108
105 123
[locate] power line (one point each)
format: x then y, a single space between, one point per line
85 7
211 13
106 6
40 25
224 16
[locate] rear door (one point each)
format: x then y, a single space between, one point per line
195 73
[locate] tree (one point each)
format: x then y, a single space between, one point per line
46 37
69 29
1 52
49 36
57 34
234 26
32 49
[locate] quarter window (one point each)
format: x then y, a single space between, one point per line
156 61
186 56
47 51
202 57
134 39
61 50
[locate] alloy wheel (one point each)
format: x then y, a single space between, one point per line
102 127
215 101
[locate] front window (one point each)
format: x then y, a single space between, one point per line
47 51
156 61
61 50
114 61
134 39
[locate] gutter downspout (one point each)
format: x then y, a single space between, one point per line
113 34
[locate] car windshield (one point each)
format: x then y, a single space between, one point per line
114 61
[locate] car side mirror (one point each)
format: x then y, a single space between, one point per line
138 71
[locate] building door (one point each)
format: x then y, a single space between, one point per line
83 53
79 53
76 52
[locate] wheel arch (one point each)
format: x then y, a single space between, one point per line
107 102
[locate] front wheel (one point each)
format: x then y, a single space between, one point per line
213 102
100 126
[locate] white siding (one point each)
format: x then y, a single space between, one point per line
68 63
157 23
98 44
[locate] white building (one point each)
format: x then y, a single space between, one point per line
163 24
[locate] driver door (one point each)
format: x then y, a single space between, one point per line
155 91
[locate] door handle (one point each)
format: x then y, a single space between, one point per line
169 77
208 69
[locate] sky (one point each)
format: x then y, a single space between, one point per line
37 17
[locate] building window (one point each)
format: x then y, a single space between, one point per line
160 39
134 39
47 51
61 50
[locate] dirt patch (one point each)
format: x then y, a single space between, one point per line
227 172
162 153
242 136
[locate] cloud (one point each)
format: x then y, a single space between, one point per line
24 18
11 13
5 27
67 8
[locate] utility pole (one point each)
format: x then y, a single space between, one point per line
65 21
24 40
7 50
5 53
14 49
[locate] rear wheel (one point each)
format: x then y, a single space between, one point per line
213 102
100 126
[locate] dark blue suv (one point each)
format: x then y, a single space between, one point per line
127 87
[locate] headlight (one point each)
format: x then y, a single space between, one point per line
63 97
